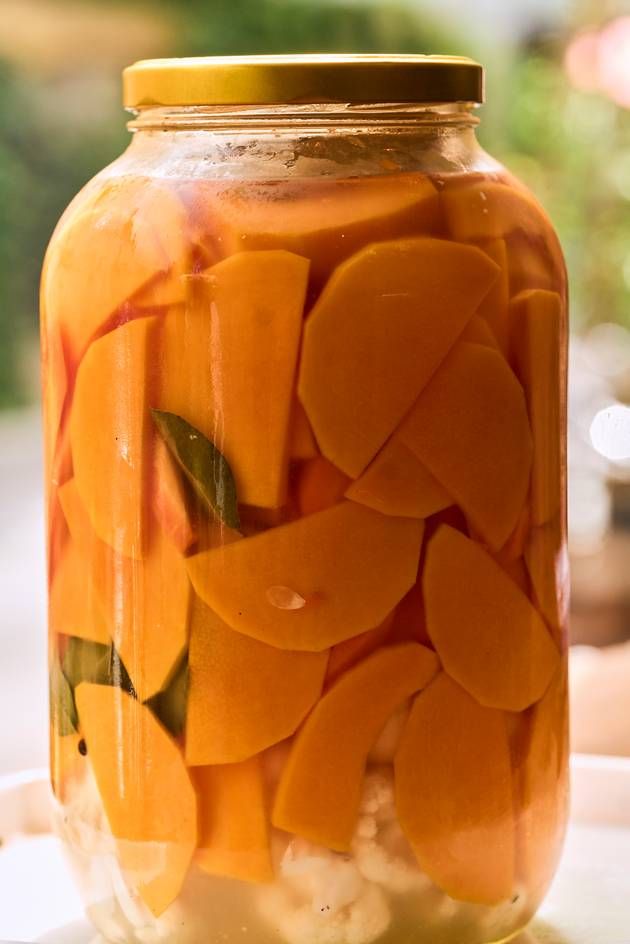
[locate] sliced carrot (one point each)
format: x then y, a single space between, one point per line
254 520
491 209
537 338
547 562
244 695
320 788
478 331
313 582
410 623
145 788
74 608
327 225
233 829
228 364
487 634
302 443
169 501
378 331
347 654
128 231
517 570
494 307
320 484
396 483
533 263
543 789
55 383
514 547
109 432
145 603
470 428
454 793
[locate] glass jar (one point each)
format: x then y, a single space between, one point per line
304 353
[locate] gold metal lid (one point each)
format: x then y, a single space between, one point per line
268 80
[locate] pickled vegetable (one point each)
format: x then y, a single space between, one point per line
150 627
130 235
381 327
110 443
307 552
244 695
336 739
153 802
488 635
470 428
536 339
454 793
325 228
249 307
314 582
396 483
233 828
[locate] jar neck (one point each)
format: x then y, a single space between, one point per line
282 141
302 118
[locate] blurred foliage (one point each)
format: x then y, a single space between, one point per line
573 149
57 130
43 163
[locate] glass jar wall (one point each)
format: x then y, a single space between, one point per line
304 373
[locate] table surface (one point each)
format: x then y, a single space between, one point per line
589 902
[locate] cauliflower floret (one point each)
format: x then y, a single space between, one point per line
381 851
321 898
361 922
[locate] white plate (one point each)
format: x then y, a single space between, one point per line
589 902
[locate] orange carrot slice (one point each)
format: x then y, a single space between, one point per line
145 603
378 331
74 608
145 788
347 654
169 500
313 582
487 634
320 485
494 307
128 231
233 830
543 781
228 364
244 695
454 793
470 428
536 318
302 443
319 791
548 566
396 483
109 433
327 225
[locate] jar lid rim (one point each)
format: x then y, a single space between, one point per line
303 79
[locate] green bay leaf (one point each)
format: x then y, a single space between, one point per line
207 470
87 661
63 712
169 705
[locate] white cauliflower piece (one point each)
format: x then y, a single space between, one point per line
381 851
321 898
